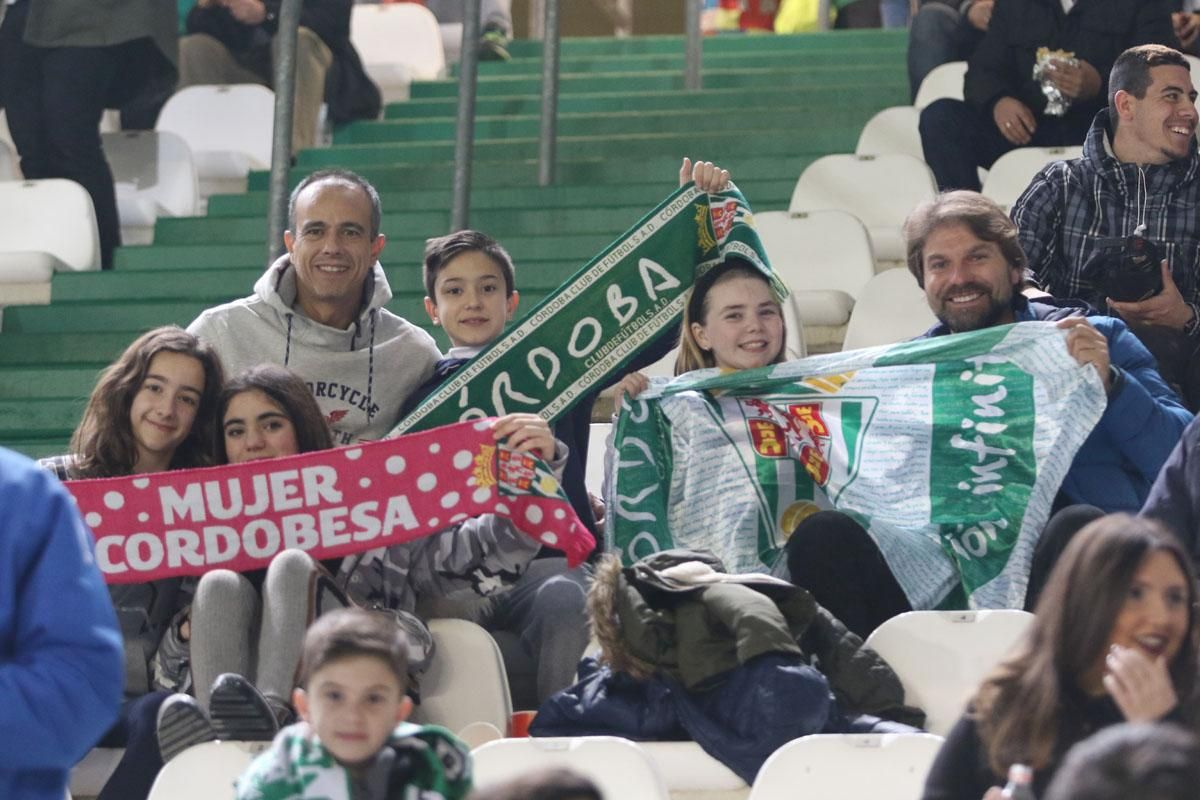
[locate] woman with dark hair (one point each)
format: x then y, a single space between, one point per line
268 411
246 630
153 409
1114 640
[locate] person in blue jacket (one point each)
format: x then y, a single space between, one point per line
965 254
1175 496
61 665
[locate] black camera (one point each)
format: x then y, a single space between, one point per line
1126 269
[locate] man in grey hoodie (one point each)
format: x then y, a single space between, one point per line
319 310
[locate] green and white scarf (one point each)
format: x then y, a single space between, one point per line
298 767
580 336
949 451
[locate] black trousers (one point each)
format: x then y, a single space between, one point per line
831 556
957 140
55 97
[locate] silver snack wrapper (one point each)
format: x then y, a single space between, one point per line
1057 103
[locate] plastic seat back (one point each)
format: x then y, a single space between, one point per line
1012 173
945 80
466 681
399 43
892 130
227 127
848 767
203 772
158 165
880 190
51 221
942 656
891 309
618 766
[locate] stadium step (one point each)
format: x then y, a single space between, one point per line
770 105
764 192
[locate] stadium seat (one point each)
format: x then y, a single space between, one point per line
155 176
946 80
941 656
825 259
205 771
618 766
228 129
466 681
1013 171
48 222
848 767
10 168
593 472
879 190
45 226
890 309
399 43
892 130
689 772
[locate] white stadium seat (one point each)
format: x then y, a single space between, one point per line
825 258
46 226
879 190
466 682
892 130
155 176
848 767
593 471
892 308
399 43
205 771
10 167
228 129
946 80
617 766
1013 171
942 656
690 772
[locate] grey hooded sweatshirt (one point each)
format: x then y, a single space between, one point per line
360 376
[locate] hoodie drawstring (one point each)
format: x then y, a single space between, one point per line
1143 199
371 365
287 348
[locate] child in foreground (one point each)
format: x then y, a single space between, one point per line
353 742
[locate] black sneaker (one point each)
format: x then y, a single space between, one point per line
493 45
239 712
181 724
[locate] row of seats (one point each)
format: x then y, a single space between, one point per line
820 767
940 657
895 129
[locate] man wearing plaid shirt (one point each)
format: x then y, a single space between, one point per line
1139 172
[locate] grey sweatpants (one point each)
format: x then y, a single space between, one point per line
261 640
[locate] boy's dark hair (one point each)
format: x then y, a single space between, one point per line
1131 72
441 249
285 389
350 632
552 783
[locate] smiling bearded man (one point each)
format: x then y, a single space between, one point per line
963 250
